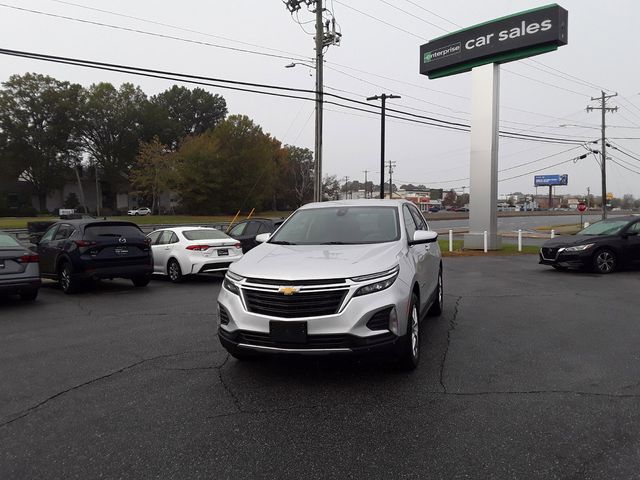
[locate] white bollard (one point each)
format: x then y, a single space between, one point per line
519 240
486 241
451 240
553 233
586 224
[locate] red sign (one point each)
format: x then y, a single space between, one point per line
582 207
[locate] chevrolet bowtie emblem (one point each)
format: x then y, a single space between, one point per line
289 290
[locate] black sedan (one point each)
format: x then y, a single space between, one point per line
247 230
603 247
78 251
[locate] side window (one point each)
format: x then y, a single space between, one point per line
419 219
409 223
264 228
153 238
238 230
252 228
48 236
165 238
635 227
174 238
63 232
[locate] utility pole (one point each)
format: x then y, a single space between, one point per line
603 147
365 182
588 198
346 186
326 35
383 111
391 165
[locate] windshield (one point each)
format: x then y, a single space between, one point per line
340 225
204 235
8 241
604 227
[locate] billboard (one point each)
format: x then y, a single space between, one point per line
502 40
550 180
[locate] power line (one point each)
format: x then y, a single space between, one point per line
154 34
412 15
380 20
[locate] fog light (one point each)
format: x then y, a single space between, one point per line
393 321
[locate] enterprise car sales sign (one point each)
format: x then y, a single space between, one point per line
499 41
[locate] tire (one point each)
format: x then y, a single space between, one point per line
65 278
438 304
174 271
409 348
142 281
29 295
605 261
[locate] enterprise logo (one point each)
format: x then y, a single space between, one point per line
442 52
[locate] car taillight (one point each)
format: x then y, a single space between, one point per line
238 245
198 248
84 243
29 259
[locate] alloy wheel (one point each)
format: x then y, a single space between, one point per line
414 331
605 261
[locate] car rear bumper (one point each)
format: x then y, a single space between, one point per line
19 285
128 271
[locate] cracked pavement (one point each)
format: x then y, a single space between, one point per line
529 373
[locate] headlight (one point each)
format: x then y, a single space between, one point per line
378 286
229 282
579 248
373 276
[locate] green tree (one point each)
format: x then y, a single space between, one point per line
299 172
227 169
450 198
330 187
154 172
111 130
39 121
179 112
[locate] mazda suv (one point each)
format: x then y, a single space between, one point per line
335 278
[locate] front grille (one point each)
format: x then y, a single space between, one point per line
380 320
301 283
224 315
261 339
299 305
549 253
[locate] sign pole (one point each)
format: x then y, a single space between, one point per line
484 158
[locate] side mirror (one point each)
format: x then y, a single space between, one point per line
263 237
423 236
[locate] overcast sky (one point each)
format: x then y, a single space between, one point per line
379 53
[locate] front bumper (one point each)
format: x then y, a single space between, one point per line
562 258
343 332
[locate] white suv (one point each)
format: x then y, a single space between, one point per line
336 277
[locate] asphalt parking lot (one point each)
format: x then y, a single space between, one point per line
529 373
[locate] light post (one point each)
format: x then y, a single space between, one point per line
384 98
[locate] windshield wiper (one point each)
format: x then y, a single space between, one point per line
336 243
282 242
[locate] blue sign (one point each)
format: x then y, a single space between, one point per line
550 180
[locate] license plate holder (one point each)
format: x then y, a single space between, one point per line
223 252
288 332
122 251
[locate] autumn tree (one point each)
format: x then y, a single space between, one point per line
39 121
227 169
153 173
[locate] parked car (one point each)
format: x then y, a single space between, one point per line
247 230
139 211
76 251
461 209
182 251
604 246
19 272
336 277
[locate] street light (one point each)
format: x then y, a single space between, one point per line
384 98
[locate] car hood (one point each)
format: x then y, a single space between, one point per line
305 262
572 240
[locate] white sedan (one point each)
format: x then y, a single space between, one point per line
139 211
182 251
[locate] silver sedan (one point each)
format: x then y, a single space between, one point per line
19 271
